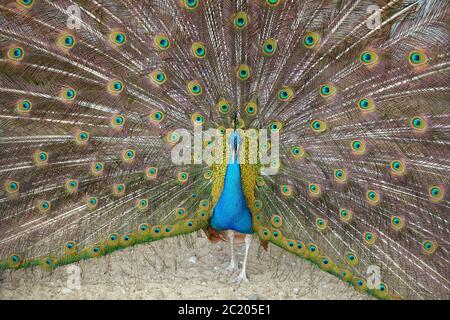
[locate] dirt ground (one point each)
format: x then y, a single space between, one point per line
180 268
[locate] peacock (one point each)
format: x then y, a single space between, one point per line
320 127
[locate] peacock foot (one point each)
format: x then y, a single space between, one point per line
241 278
232 267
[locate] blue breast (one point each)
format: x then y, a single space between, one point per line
231 211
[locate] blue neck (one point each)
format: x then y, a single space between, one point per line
231 211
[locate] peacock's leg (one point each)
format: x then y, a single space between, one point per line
232 266
243 275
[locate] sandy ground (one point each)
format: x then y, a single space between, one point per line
180 268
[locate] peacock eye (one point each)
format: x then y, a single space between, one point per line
286 190
340 175
397 222
436 193
40 157
157 116
198 50
118 121
204 204
223 106
97 168
417 58
23 106
194 88
275 126
366 105
66 41
251 108
197 119
285 94
69 40
151 173
318 126
240 20
369 238
82 137
182 177
327 90
118 189
44 206
297 152
373 197
358 146
115 87
345 215
397 167
314 189
428 246
117 38
418 123
351 259
71 185
311 39
243 72
369 58
273 3
321 224
158 77
128 155
269 47
27 4
69 94
190 4
15 53
161 42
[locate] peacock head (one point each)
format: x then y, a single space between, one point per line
234 141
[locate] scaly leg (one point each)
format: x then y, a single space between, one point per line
232 266
243 275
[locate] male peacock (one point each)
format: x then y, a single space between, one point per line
93 95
